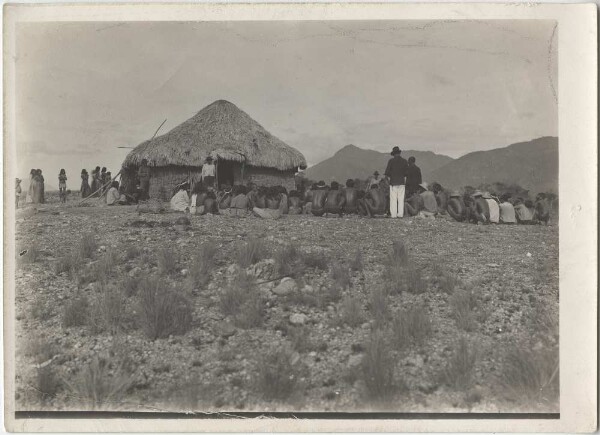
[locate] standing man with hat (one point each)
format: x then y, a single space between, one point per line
208 172
144 178
396 173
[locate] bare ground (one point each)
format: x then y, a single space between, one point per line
511 272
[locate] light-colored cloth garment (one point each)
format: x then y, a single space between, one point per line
267 213
397 201
180 201
193 207
494 211
429 202
208 170
507 213
112 196
523 213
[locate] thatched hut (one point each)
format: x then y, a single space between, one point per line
243 149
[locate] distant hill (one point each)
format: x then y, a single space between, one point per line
533 165
354 162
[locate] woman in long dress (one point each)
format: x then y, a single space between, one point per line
85 185
42 189
36 188
29 198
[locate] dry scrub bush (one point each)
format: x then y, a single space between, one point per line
243 302
377 367
251 253
315 260
463 303
47 383
108 311
41 349
351 312
442 279
203 264
76 312
100 384
458 372
357 263
340 275
399 253
87 246
167 261
288 261
300 338
277 377
379 307
533 374
163 311
68 264
129 286
41 310
411 326
131 252
401 278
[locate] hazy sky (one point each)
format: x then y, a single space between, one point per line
447 86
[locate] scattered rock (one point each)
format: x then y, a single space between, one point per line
184 272
285 287
354 360
298 319
225 329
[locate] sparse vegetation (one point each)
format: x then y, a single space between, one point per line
41 310
277 377
411 326
163 311
340 275
167 261
108 311
442 279
251 253
132 252
68 264
87 246
531 374
243 302
463 303
32 255
288 261
379 306
76 312
399 255
351 312
458 373
315 260
203 264
47 383
378 367
129 286
357 263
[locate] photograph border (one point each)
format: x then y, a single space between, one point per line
577 118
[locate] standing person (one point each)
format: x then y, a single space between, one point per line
413 177
36 191
42 187
396 172
144 178
96 181
29 197
85 185
18 191
107 179
62 185
103 179
208 172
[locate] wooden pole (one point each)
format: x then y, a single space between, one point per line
102 187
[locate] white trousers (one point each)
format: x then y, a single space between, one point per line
397 201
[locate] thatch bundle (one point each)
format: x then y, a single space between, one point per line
222 131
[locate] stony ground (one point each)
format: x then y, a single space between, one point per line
315 345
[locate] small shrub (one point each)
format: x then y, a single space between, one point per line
87 246
533 374
315 260
105 267
401 278
100 384
162 310
300 338
203 264
399 253
243 302
357 263
277 377
40 310
378 367
68 264
340 275
47 383
251 253
351 312
298 297
379 306
288 261
41 349
463 302
459 369
167 261
76 312
108 311
332 294
411 326
442 279
132 252
129 286
252 312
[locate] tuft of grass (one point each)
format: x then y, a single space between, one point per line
533 374
101 384
399 255
69 264
411 326
379 306
463 303
300 338
277 377
129 286
357 263
105 267
33 254
315 260
40 349
163 311
132 252
40 310
442 279
76 312
87 246
458 372
243 302
108 311
47 383
404 278
203 264
377 367
332 294
167 261
251 253
288 261
351 312
340 275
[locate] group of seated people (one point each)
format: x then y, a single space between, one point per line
116 195
320 200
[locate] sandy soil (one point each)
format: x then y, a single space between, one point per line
513 271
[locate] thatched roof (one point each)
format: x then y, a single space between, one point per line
220 130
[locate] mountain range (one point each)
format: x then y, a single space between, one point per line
533 165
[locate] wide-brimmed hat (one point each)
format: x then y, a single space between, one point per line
321 184
477 193
395 150
455 194
424 185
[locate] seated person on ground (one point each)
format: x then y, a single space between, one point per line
239 203
479 211
374 202
493 208
542 209
335 200
252 195
271 213
456 207
319 197
308 198
181 201
198 197
507 211
351 205
441 197
295 202
430 207
210 203
112 196
273 198
124 199
284 204
522 213
224 197
531 207
413 204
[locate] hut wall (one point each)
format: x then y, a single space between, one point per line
163 180
269 177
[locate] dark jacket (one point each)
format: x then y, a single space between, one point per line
396 170
413 176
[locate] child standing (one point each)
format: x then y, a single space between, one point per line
62 185
18 191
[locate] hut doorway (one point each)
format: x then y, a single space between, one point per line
225 171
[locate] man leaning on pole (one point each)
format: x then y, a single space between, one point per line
396 172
